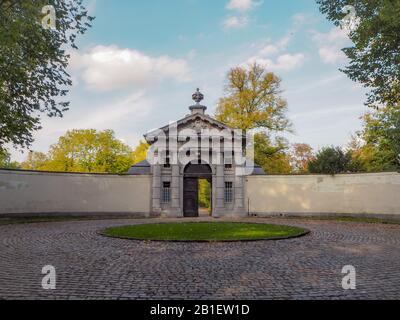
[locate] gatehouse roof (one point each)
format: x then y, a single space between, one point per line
197 113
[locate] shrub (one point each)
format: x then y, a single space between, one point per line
330 160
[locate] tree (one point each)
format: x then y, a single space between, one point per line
89 151
300 157
5 161
330 161
140 152
382 129
380 136
375 56
358 155
33 62
204 194
35 161
253 100
271 156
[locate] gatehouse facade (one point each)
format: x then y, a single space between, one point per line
197 147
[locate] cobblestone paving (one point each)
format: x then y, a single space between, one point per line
90 266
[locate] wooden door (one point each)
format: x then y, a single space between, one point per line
191 197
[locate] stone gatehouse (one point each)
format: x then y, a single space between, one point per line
197 147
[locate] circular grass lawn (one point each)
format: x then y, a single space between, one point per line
221 231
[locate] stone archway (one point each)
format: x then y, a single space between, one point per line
192 173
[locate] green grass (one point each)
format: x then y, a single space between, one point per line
204 231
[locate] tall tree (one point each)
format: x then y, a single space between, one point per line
89 151
330 160
359 156
300 156
35 161
271 156
33 62
253 100
5 161
140 152
375 56
380 141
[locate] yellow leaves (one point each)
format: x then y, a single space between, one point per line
84 151
140 152
253 100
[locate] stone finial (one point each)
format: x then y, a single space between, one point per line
198 108
198 96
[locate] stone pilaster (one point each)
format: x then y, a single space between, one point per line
239 195
219 189
175 190
156 198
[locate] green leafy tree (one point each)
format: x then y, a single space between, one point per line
271 156
330 160
204 194
33 64
253 101
35 161
375 55
5 161
358 156
89 151
379 149
140 152
382 130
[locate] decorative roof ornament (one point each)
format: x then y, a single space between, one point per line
198 108
198 96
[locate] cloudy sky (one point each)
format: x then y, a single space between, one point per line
139 64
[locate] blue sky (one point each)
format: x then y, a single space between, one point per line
137 67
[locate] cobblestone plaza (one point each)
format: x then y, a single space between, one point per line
90 266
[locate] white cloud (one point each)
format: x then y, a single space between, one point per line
289 61
285 62
121 115
273 55
135 106
331 54
242 5
270 49
106 68
330 45
334 35
235 22
299 19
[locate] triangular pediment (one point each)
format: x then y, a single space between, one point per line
204 119
193 121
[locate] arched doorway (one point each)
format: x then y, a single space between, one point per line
192 174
